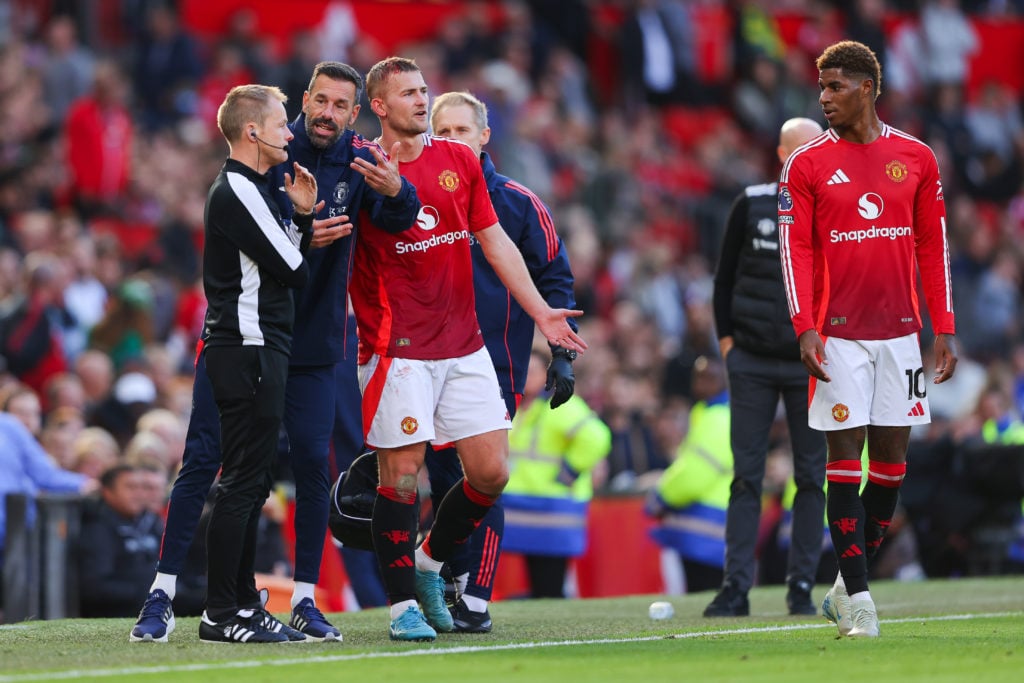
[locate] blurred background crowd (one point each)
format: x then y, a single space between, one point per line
637 121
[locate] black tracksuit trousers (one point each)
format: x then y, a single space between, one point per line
249 389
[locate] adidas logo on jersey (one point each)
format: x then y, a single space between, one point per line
917 410
838 178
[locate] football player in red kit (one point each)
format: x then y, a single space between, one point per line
861 212
423 369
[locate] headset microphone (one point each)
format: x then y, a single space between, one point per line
252 134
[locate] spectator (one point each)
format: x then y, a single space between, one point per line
658 54
94 451
552 454
635 451
166 69
995 123
692 495
118 545
864 23
60 429
226 70
243 34
127 325
99 145
169 428
63 390
945 120
133 394
755 31
949 41
766 97
153 479
23 403
30 332
28 470
96 371
292 75
996 308
85 297
68 65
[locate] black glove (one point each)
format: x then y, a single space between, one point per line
560 376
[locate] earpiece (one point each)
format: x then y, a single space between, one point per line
252 134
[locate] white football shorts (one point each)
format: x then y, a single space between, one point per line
407 401
879 382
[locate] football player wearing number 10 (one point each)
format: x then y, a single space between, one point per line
861 212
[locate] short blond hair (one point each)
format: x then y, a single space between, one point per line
245 103
454 99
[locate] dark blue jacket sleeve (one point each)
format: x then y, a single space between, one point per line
546 257
393 214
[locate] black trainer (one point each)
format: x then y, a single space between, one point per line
468 621
730 602
238 629
798 599
272 623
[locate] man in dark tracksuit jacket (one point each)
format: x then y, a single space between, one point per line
117 545
251 262
318 354
508 335
763 359
323 398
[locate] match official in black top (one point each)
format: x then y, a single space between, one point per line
251 261
763 358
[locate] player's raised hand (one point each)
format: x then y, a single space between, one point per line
301 189
382 176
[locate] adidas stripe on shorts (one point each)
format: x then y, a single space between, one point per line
879 382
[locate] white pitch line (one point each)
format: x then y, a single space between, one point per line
462 649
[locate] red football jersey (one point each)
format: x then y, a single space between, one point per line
412 292
854 220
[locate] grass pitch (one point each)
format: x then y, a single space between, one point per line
954 630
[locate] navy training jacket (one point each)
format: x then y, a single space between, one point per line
321 307
507 329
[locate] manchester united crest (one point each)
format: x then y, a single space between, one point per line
340 193
410 425
449 181
840 413
896 170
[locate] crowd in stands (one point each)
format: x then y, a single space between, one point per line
608 110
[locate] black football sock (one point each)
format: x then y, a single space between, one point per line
394 540
846 522
458 516
879 497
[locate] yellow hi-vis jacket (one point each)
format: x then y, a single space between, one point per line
693 493
551 455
